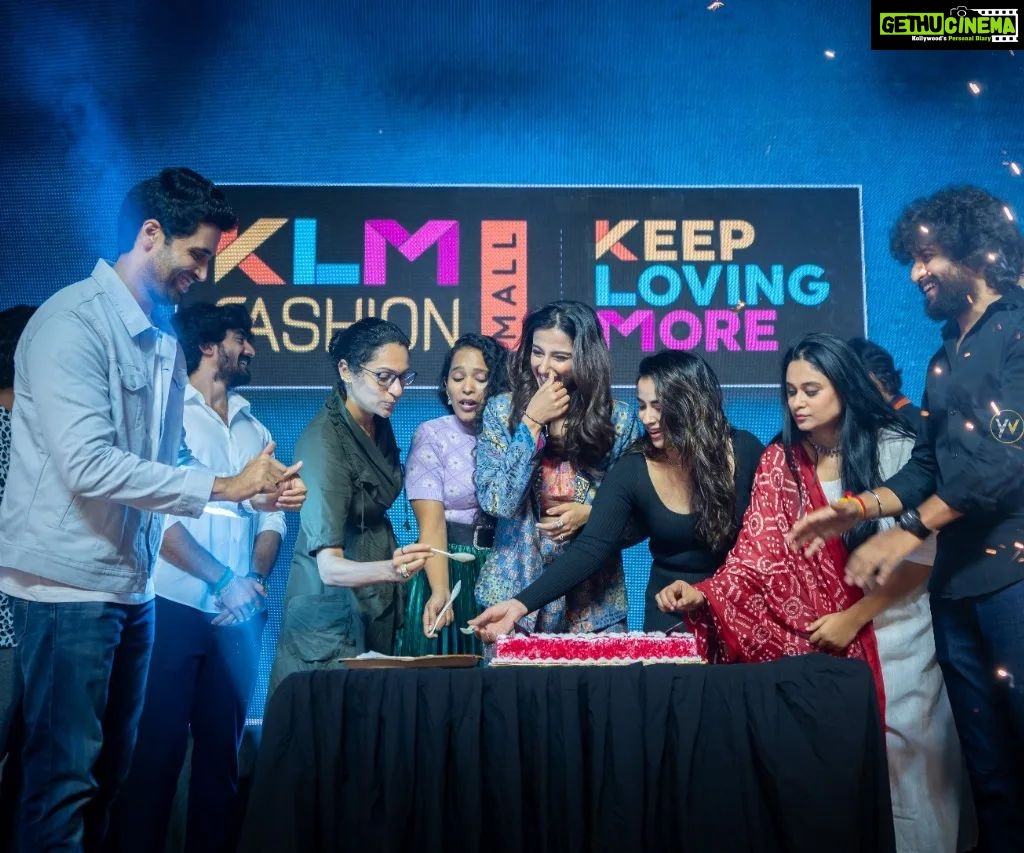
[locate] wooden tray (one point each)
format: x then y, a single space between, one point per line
424 662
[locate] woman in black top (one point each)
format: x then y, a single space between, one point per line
686 485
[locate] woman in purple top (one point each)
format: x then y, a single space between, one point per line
439 484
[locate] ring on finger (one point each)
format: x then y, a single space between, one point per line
561 522
404 572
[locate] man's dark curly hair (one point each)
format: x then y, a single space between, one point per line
970 226
179 199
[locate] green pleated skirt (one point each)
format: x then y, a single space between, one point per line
449 640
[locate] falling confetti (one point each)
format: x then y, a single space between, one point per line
1008 213
830 54
974 87
714 7
991 552
969 426
1015 168
739 306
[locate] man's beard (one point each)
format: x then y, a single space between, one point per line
953 293
232 373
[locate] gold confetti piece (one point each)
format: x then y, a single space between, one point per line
1015 168
994 407
969 426
991 552
1008 213
974 87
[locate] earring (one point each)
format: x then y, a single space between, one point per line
449 399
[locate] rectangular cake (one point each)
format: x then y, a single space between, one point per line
595 649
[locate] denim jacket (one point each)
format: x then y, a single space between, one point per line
90 463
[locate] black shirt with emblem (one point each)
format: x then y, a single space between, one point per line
970 452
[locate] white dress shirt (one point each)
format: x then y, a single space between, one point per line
227 530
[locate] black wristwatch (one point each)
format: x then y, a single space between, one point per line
910 520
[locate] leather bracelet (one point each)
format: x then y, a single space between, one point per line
878 501
222 584
910 520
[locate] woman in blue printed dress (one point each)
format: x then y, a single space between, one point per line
543 451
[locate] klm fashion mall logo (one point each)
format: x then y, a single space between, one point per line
957 27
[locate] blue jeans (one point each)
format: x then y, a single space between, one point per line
979 643
200 678
83 669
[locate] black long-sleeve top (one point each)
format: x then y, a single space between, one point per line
678 552
970 452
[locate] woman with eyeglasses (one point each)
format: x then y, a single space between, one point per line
544 449
345 590
439 485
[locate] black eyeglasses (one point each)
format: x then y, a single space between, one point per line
386 378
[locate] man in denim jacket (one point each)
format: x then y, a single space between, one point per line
96 436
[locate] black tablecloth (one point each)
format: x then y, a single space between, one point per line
786 756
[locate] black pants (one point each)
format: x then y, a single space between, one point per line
200 678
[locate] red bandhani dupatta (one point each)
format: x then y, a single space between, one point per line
762 599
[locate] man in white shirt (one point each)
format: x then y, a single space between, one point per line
97 435
210 582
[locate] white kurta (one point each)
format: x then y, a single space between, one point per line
931 804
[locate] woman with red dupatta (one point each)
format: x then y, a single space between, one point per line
769 601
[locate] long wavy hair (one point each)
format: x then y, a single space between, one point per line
864 415
694 424
589 434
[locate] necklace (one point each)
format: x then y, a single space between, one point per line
824 451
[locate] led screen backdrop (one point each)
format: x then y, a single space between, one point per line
731 273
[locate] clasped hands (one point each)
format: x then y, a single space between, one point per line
269 485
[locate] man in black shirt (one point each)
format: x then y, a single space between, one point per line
966 480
